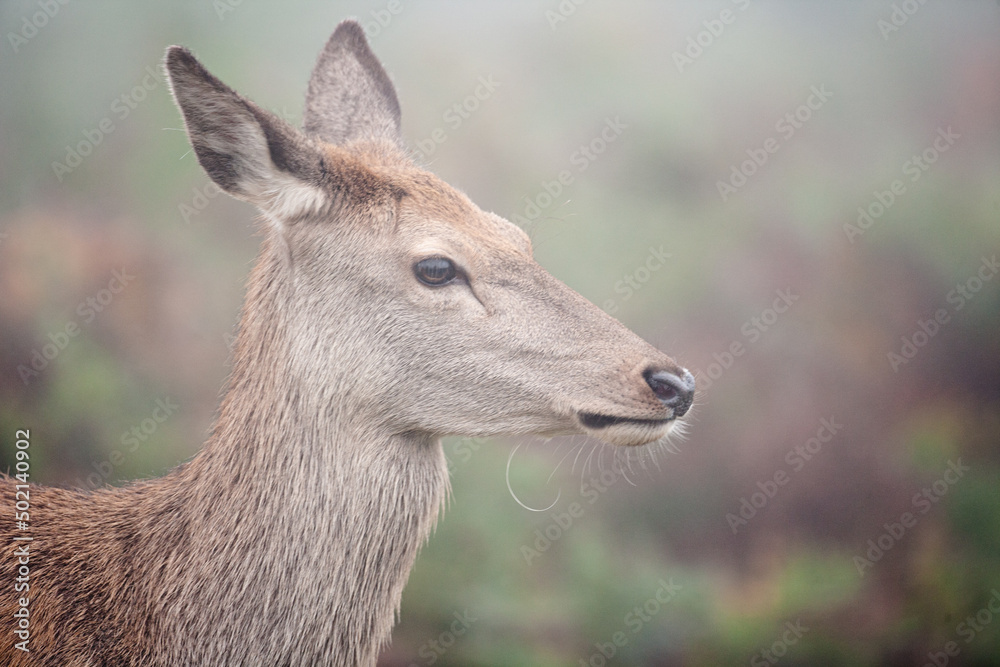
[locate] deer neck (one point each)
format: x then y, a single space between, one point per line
292 485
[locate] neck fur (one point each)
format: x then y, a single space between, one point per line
304 525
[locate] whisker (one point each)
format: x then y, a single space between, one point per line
586 463
625 474
578 452
559 465
513 495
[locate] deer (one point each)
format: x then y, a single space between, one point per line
385 311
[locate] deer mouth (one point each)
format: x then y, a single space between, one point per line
597 421
625 431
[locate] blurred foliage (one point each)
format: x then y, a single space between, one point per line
165 336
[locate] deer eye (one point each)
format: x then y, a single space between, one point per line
435 271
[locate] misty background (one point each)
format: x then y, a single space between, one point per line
800 201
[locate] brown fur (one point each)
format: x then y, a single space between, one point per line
288 539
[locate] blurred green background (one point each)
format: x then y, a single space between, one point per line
837 497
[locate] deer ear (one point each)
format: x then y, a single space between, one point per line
350 96
250 153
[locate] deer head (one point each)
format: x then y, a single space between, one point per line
403 300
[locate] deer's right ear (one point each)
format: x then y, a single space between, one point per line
250 153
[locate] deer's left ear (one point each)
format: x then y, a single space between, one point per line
350 96
250 153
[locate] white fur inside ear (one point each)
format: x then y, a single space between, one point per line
278 194
287 198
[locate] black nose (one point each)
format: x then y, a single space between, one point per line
674 392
